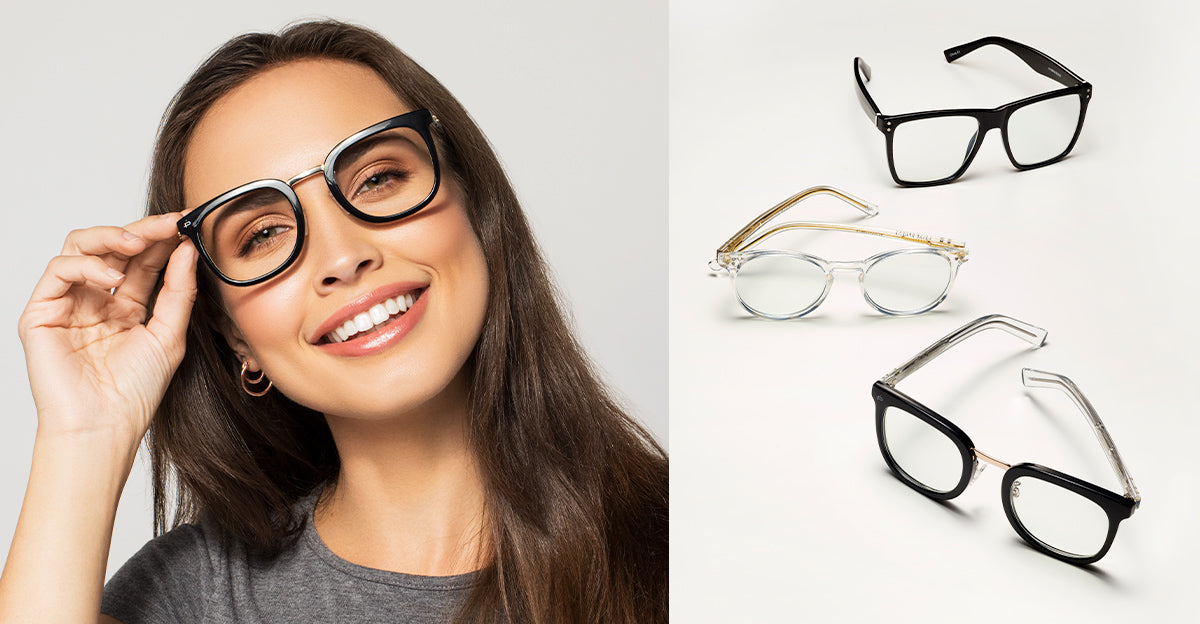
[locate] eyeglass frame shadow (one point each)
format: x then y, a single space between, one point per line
1116 507
736 251
421 120
987 119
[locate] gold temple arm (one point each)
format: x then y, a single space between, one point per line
958 248
736 241
1042 379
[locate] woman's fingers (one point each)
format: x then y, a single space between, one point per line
117 244
63 272
174 304
142 270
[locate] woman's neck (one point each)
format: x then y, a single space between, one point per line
409 497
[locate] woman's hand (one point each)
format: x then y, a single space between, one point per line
96 364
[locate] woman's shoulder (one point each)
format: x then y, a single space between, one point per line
169 579
176 574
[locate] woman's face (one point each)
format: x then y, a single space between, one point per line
280 123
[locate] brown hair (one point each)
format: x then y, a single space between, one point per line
576 491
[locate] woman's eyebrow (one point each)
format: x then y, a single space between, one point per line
364 145
250 201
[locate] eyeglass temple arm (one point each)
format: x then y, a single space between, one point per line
958 248
1036 60
862 75
1035 336
733 243
1042 379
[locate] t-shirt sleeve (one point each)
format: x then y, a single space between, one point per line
167 581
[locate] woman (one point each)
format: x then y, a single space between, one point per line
373 408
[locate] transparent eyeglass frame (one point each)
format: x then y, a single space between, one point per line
738 250
1116 506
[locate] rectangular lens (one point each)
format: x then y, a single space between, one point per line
928 457
251 234
1059 518
1043 130
386 173
780 285
925 150
908 282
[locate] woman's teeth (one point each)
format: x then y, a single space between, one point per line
379 314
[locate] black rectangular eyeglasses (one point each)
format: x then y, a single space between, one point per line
380 174
1055 513
936 147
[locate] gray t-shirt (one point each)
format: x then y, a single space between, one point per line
192 574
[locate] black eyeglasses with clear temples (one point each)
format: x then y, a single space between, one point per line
380 174
1058 514
937 146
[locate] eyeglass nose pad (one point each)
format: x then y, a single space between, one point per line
971 144
979 466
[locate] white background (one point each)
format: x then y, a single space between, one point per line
572 96
784 509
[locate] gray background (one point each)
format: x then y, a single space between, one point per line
572 95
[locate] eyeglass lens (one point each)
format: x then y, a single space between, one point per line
779 285
934 148
907 282
927 456
1043 130
1059 518
383 174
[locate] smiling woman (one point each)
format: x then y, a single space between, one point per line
364 405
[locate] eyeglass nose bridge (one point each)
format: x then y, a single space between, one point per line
847 266
980 456
308 173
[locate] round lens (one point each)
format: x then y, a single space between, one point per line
1043 130
927 456
925 150
1059 518
908 282
251 234
386 173
779 286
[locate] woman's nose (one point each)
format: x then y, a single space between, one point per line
340 247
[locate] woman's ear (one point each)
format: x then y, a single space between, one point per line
237 342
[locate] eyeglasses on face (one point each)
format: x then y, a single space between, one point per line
781 284
380 174
1056 513
936 147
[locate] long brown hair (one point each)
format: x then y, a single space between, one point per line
575 490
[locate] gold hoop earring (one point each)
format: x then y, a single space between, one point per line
247 380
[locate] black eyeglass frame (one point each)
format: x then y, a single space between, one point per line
421 121
987 119
1116 507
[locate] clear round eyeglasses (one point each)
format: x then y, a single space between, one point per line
936 147
781 284
1058 514
383 173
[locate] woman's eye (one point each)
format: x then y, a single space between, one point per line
262 237
379 181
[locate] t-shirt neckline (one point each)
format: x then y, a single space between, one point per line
400 579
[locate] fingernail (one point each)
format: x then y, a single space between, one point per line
130 236
115 274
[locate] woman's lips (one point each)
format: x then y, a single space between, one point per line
377 315
360 323
383 335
